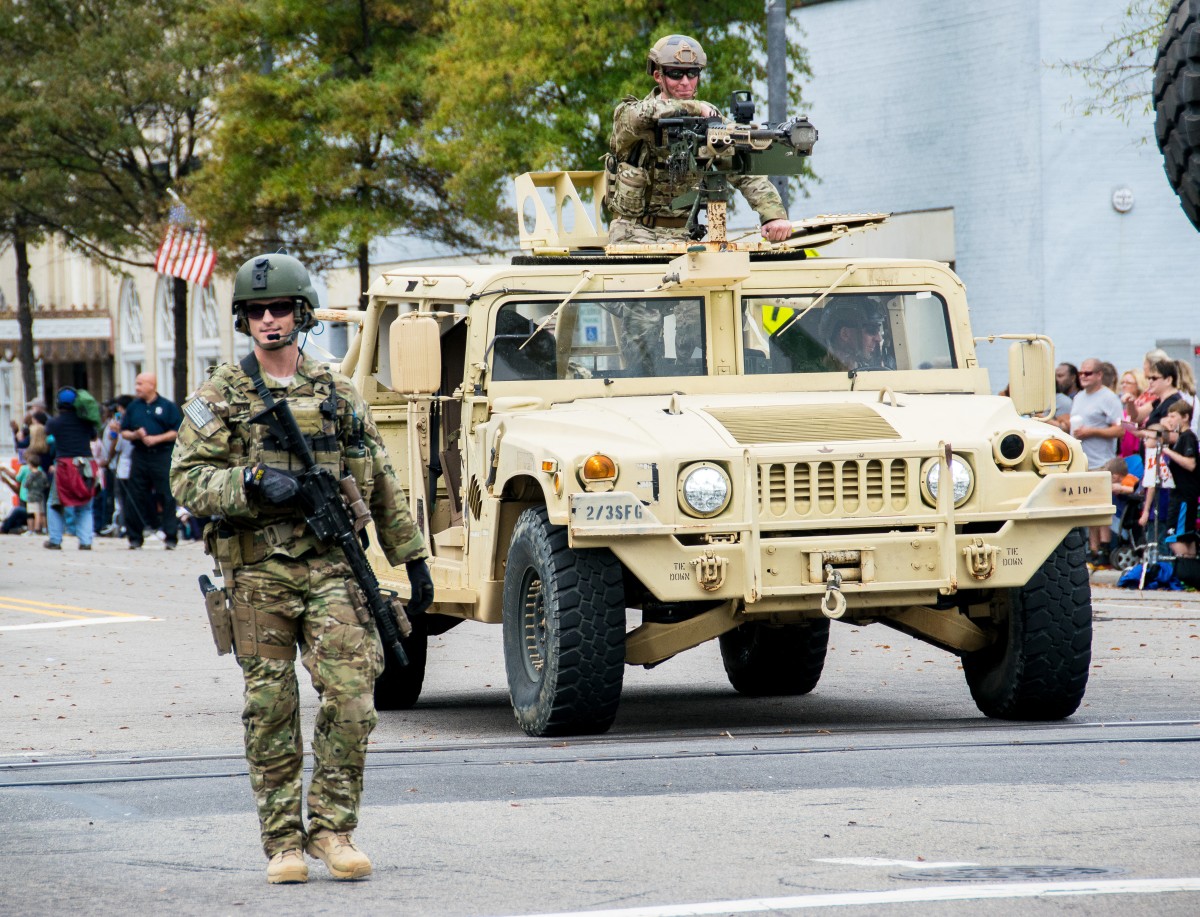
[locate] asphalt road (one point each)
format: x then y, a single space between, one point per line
123 790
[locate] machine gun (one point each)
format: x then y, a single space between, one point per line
716 149
336 513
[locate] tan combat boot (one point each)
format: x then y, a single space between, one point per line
287 866
338 853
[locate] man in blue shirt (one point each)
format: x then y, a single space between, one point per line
151 423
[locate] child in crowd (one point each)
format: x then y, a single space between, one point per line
18 519
37 488
1157 478
1182 452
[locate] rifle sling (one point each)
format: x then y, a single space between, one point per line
251 368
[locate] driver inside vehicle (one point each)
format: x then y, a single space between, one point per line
854 335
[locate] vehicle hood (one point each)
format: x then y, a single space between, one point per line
730 422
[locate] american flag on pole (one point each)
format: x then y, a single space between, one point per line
185 251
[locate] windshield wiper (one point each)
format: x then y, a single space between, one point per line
850 269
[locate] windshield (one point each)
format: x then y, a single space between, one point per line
599 338
846 332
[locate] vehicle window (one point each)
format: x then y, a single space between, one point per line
847 331
598 338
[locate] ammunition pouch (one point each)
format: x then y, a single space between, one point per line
216 603
630 193
358 463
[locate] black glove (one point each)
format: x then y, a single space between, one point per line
271 484
421 587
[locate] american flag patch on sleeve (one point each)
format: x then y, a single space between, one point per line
201 415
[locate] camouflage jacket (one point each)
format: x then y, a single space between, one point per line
216 441
633 125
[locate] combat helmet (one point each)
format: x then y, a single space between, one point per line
854 313
676 51
273 277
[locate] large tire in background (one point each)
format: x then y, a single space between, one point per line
398 687
1177 103
564 631
1038 668
765 660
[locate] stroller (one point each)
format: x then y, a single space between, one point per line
1129 538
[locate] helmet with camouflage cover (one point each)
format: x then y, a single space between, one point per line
676 51
274 277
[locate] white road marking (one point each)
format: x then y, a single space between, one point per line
86 622
880 861
902 896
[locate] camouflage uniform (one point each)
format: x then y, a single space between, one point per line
287 587
640 197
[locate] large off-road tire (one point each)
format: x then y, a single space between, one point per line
1038 668
765 660
398 687
564 631
1177 103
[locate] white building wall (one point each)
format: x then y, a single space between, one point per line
939 104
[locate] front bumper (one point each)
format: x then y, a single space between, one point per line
879 561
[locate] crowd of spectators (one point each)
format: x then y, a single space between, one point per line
1140 426
77 471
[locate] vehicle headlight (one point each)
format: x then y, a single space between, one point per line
704 489
960 473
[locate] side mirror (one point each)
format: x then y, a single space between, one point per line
1031 377
415 349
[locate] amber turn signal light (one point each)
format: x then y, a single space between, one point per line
599 467
1054 452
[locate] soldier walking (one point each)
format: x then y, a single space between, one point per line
641 194
285 586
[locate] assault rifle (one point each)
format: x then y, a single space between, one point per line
336 513
715 149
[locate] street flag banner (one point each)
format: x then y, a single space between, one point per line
185 253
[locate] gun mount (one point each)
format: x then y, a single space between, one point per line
716 149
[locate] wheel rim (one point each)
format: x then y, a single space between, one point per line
533 623
1123 557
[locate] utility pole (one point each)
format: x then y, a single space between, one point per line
777 81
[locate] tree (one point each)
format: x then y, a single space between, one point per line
112 96
1119 74
322 135
532 86
18 227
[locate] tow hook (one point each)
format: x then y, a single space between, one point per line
981 559
833 604
710 570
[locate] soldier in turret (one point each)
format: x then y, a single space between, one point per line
641 194
287 588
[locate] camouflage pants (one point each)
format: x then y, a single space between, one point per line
342 656
629 232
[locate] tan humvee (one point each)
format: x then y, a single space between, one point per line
728 440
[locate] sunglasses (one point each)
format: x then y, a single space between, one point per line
277 310
674 73
1152 378
1087 372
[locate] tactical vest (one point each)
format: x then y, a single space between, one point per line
325 420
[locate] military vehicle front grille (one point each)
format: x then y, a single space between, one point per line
860 487
817 423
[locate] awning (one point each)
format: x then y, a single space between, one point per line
61 337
